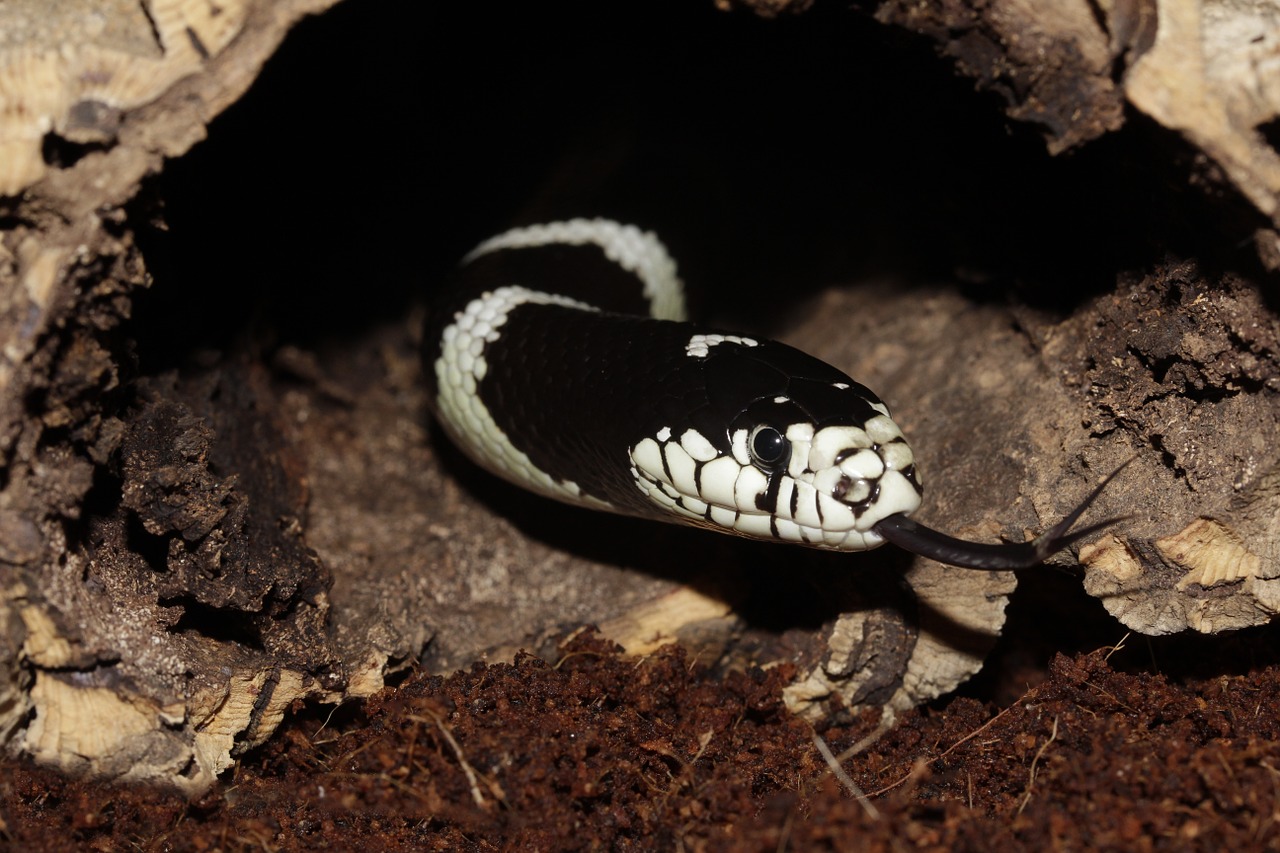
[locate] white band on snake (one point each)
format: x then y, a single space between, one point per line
559 359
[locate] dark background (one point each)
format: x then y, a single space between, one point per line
774 156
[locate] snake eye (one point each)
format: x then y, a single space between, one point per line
768 446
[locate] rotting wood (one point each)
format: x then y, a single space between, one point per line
1042 409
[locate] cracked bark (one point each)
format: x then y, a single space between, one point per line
186 552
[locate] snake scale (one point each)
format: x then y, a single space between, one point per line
559 358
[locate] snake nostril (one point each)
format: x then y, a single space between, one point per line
841 488
853 491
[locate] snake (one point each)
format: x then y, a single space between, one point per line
560 357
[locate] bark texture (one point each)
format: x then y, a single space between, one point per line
190 544
160 609
1207 70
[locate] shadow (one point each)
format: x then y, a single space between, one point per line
774 587
368 158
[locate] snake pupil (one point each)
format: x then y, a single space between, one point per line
768 447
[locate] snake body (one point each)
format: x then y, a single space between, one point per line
559 357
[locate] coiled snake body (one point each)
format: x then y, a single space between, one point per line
559 358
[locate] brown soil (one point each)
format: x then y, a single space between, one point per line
603 752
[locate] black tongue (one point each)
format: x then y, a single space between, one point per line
915 537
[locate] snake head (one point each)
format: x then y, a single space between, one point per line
825 482
809 457
786 449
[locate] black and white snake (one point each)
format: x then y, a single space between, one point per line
559 358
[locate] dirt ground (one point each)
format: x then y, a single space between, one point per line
1140 749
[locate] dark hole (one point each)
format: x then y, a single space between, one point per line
1271 133
61 153
217 623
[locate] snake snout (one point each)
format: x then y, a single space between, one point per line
872 482
856 476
